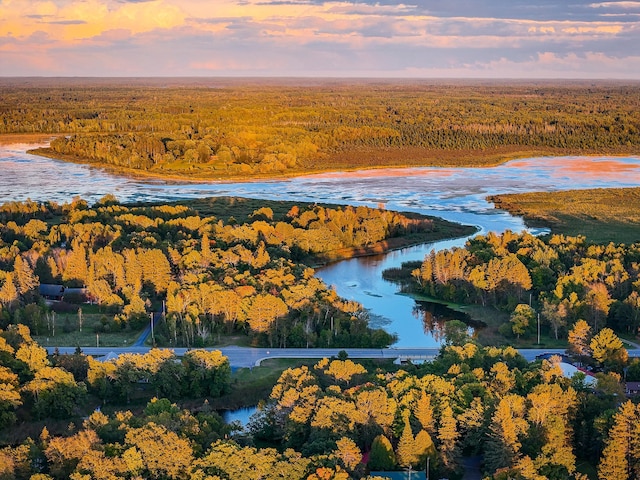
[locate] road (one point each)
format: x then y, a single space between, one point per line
247 357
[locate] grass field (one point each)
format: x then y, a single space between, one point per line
601 215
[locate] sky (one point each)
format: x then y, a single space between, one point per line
318 38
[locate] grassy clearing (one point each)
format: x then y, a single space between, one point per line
602 215
67 332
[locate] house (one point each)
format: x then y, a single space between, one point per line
632 388
51 292
56 293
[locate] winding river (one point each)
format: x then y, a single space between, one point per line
455 194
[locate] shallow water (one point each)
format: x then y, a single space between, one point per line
455 194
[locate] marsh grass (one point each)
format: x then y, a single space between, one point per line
601 215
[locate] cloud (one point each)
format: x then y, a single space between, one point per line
320 37
67 22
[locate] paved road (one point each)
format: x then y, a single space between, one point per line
247 357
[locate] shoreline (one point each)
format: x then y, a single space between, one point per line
483 160
465 159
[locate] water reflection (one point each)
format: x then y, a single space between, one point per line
434 315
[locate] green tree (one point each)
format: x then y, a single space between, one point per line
381 456
521 319
208 373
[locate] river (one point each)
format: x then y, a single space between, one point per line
456 194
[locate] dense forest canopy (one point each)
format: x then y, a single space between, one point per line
560 281
210 275
240 129
336 419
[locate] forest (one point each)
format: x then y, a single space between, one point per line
558 281
217 271
223 130
207 276
335 419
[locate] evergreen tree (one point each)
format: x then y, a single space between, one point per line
381 456
424 412
406 449
448 441
621 455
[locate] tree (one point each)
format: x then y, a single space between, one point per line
55 392
556 315
264 310
348 452
621 455
33 355
152 441
448 435
580 338
424 412
406 449
456 332
521 319
9 396
8 291
77 270
608 349
599 301
425 448
64 453
344 371
376 404
23 274
506 429
381 456
207 372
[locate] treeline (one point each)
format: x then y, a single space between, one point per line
564 279
213 276
338 420
36 386
250 130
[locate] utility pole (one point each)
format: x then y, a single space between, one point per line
153 339
428 459
538 329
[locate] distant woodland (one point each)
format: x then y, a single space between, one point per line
223 130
